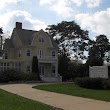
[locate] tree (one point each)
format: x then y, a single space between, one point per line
35 67
70 38
1 32
98 51
1 41
94 58
102 43
63 66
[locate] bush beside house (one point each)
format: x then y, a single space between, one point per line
15 76
93 83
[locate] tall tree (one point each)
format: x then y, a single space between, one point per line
1 40
35 67
70 38
94 58
97 53
102 42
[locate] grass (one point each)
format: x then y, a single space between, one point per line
10 101
74 90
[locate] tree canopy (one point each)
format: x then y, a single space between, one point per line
70 38
1 40
102 43
1 31
98 50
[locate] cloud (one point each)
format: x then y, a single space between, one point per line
45 2
3 3
98 23
93 3
7 21
89 3
78 2
62 8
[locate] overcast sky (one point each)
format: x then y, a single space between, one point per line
91 15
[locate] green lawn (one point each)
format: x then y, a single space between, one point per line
10 101
74 90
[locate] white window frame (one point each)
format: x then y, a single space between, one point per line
28 52
41 53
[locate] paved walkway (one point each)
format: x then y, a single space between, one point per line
65 102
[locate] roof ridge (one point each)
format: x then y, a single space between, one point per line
26 30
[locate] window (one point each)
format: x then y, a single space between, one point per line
28 68
41 39
1 64
53 69
42 70
19 54
53 53
41 53
28 52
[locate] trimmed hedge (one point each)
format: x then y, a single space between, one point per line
15 76
93 83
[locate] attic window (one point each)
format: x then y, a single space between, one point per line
41 39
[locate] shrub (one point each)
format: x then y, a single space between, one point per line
8 75
15 76
106 84
93 83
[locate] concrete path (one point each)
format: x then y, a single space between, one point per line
65 102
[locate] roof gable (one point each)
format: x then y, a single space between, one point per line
26 36
8 44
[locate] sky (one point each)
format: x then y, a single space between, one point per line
91 15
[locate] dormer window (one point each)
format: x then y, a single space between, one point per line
28 52
41 39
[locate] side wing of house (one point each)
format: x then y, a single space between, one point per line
11 46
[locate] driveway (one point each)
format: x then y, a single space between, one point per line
65 102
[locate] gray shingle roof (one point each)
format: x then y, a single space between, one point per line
26 37
8 44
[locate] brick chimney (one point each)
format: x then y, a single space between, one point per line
18 25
